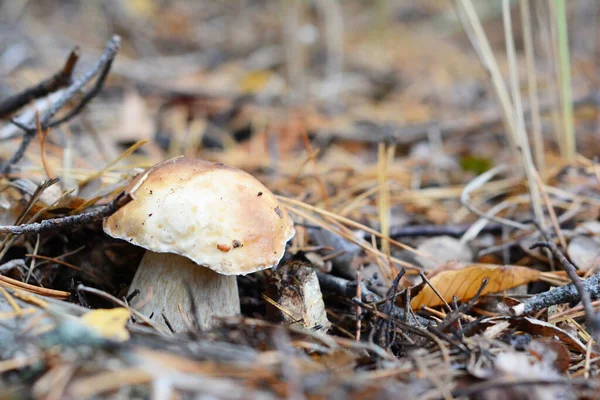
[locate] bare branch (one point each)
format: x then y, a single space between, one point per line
101 67
68 221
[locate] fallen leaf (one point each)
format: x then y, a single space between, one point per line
465 282
110 324
255 81
513 366
545 329
536 328
552 351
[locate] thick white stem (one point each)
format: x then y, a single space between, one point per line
161 280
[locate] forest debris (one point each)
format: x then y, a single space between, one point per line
69 221
108 323
551 351
101 67
593 318
515 366
415 97
299 296
465 282
13 283
558 295
347 252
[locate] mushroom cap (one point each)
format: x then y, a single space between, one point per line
218 216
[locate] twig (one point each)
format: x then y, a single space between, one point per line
583 290
558 295
88 96
9 265
13 283
359 280
454 315
592 317
348 289
478 182
137 314
345 287
57 81
437 293
384 327
438 230
68 221
102 66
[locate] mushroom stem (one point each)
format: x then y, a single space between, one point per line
161 279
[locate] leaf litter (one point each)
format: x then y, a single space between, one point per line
395 134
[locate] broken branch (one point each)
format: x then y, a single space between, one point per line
102 66
68 221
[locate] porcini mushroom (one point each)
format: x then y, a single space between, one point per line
201 223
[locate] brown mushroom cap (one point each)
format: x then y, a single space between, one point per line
217 216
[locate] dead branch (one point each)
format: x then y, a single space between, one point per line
462 309
101 67
347 289
571 271
70 220
558 295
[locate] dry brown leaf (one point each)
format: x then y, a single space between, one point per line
541 328
465 282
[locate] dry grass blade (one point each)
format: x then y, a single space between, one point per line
12 283
478 38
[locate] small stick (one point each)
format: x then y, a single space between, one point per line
359 296
347 288
400 231
454 315
437 293
70 220
82 288
13 283
558 295
9 265
571 271
384 327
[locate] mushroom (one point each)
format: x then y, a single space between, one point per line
201 223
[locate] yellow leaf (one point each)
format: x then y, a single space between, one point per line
142 8
255 81
465 282
110 324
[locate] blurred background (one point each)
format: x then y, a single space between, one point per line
202 77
